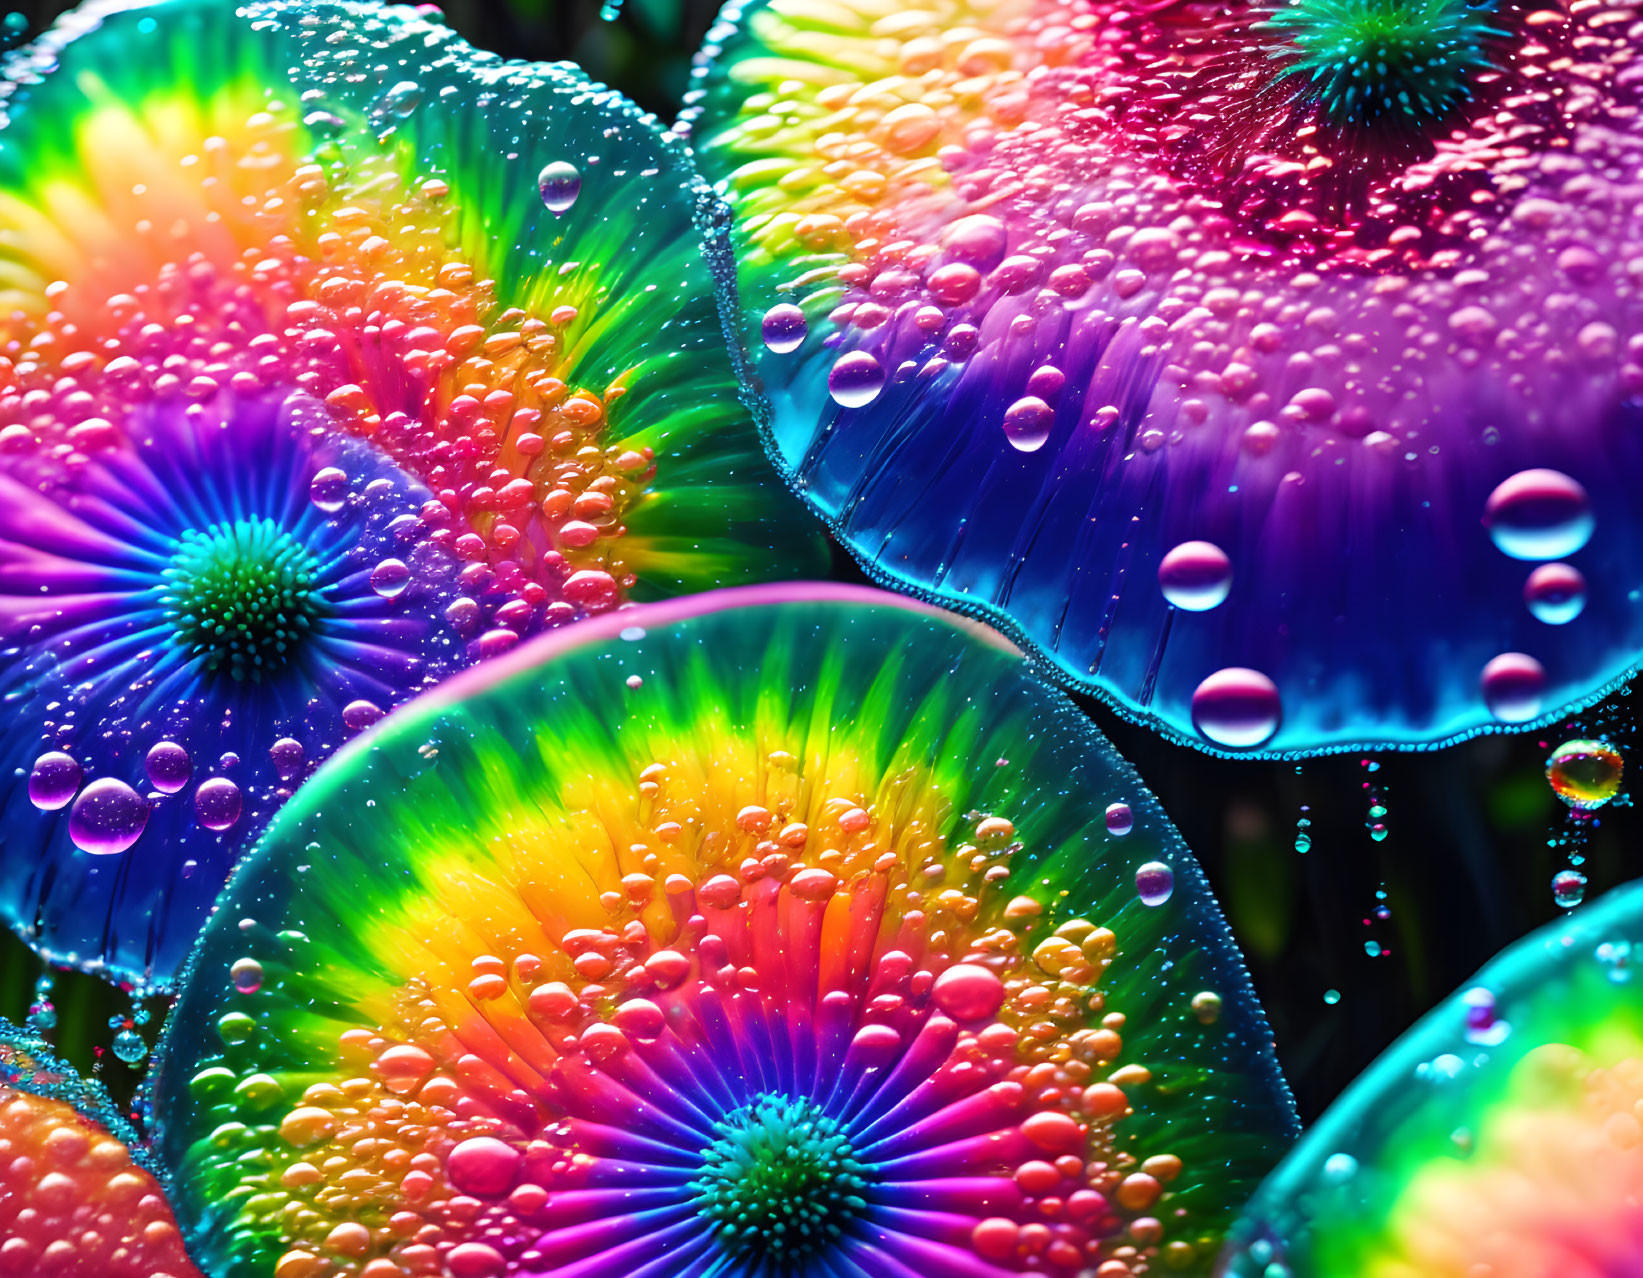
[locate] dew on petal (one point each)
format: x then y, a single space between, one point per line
523 963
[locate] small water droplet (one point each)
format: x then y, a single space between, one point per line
1196 576
390 578
784 328
52 783
559 182
217 803
328 490
1154 883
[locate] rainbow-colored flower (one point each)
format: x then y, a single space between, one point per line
1502 1136
333 354
790 930
72 1199
1246 358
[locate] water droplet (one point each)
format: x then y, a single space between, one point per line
483 1166
287 757
1585 774
52 783
1120 820
856 379
107 818
560 183
359 715
1154 883
968 992
168 766
1237 707
403 98
246 974
784 328
129 1046
1513 685
328 489
217 803
1555 593
390 577
1196 576
1027 423
1539 514
1568 888
1332 997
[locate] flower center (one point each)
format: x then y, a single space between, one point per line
780 1180
242 595
1397 62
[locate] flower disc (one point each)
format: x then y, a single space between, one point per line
1500 1136
313 388
775 931
1190 337
72 1200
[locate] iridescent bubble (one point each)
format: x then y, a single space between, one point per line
1555 593
1568 889
1154 883
217 803
559 183
1539 514
390 578
107 818
1514 685
1195 576
168 766
1027 423
328 489
1585 774
1237 708
856 379
53 780
784 328
1120 819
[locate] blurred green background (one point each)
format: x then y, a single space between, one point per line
1467 857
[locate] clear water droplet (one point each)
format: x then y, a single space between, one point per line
1196 576
784 328
390 578
217 803
1237 707
1154 883
1539 514
855 380
328 490
1514 685
559 183
168 766
1555 593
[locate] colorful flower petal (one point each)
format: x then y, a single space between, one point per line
1499 1136
73 1197
1191 340
780 930
314 385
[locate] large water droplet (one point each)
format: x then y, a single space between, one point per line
1539 514
1555 593
1237 707
217 803
784 328
1154 883
1120 819
390 577
560 183
1585 774
168 766
856 379
359 715
1196 576
1027 423
52 783
107 818
1514 685
328 489
246 974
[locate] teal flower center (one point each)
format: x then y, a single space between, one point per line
242 596
1400 62
780 1180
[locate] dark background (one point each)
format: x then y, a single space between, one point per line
1473 833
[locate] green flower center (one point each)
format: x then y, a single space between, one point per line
1400 62
242 596
780 1181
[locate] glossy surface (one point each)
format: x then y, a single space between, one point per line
1042 295
310 392
781 927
